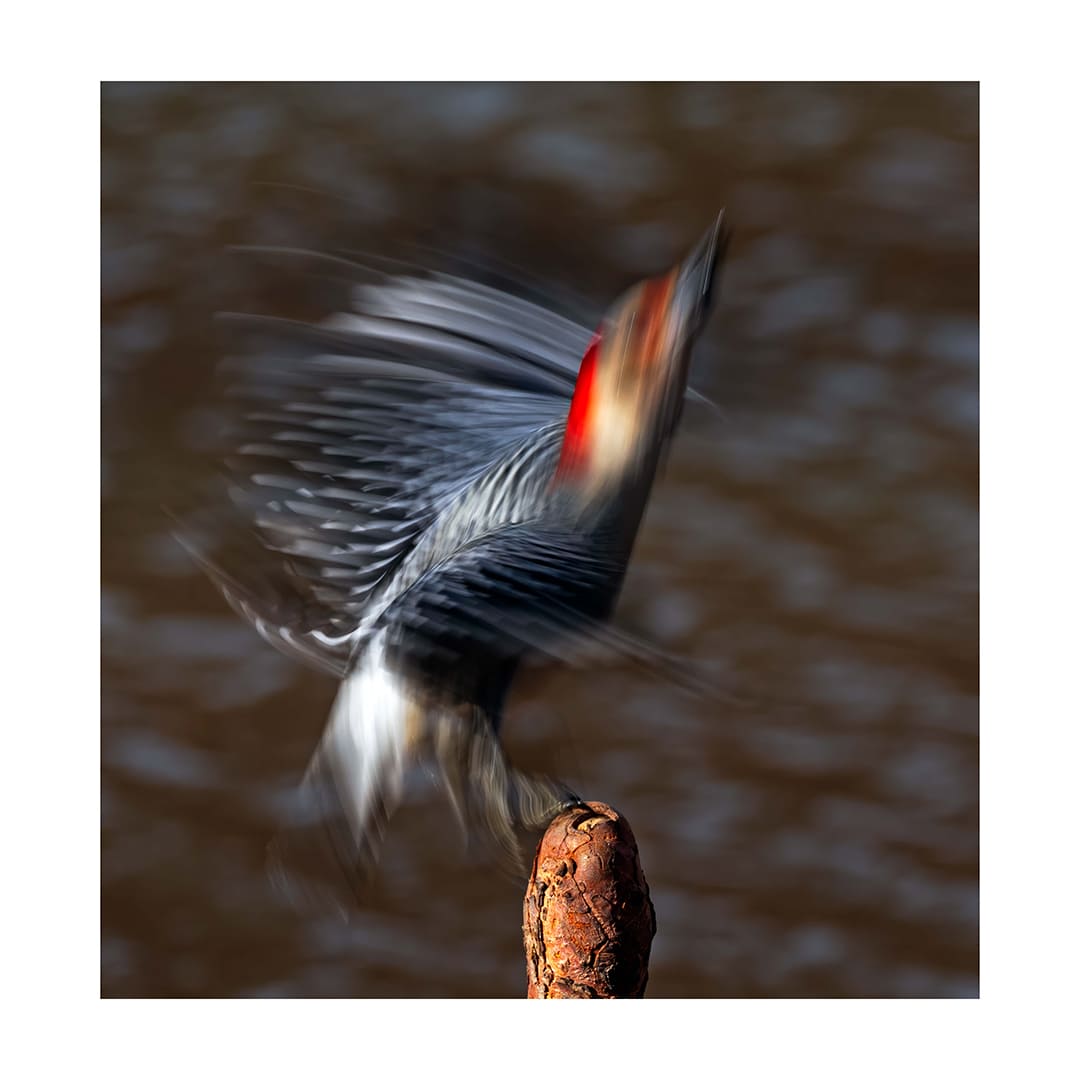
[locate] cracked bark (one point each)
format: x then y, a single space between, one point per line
589 922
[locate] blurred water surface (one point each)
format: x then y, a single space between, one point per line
822 543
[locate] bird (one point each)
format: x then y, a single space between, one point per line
425 491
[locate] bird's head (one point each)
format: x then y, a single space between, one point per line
630 388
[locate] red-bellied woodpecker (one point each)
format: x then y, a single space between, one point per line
450 478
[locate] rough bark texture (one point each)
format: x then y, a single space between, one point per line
589 922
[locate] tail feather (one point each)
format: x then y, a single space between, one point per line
333 840
327 855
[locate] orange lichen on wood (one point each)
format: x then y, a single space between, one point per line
589 922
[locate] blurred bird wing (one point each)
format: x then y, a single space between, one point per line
544 348
271 597
359 431
530 590
521 588
513 339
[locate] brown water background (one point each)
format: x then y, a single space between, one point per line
822 543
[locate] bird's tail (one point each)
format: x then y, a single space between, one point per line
327 854
333 839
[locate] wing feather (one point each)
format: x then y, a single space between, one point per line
358 432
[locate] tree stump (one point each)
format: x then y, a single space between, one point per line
589 922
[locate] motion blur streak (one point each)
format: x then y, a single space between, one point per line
445 500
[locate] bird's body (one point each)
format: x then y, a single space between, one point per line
450 479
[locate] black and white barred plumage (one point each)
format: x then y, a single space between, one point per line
404 469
